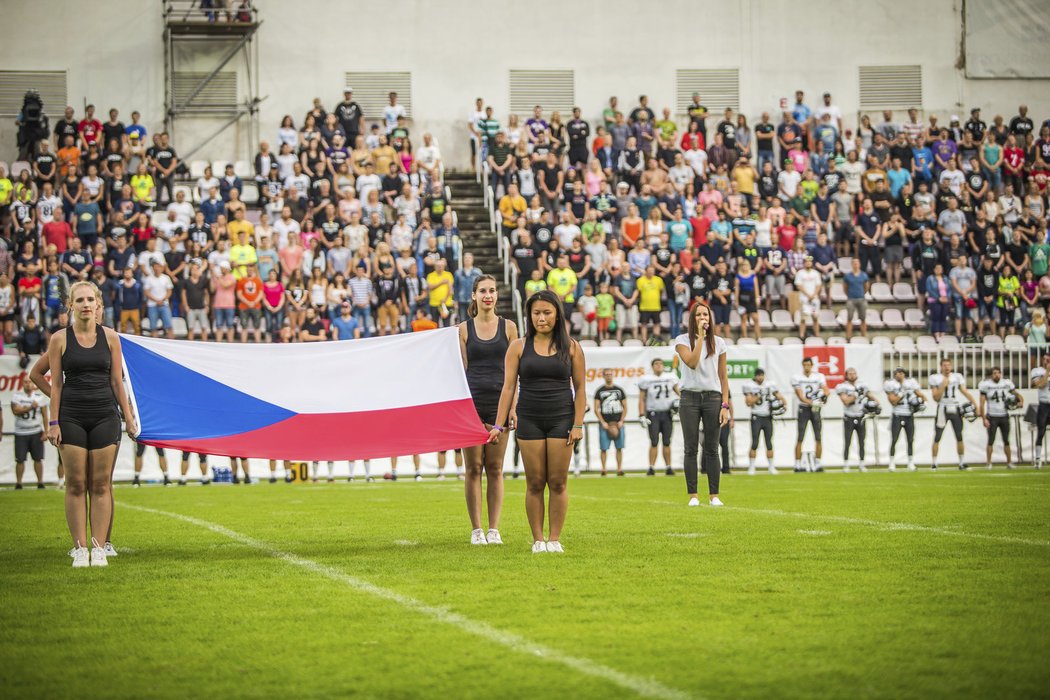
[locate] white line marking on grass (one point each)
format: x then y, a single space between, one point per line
815 533
406 543
879 524
687 535
645 687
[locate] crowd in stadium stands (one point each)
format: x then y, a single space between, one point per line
628 220
632 219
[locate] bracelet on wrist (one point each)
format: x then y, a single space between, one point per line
53 422
725 405
498 427
578 426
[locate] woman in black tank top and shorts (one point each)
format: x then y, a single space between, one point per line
483 339
86 387
549 368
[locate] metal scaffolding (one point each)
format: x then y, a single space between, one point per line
190 28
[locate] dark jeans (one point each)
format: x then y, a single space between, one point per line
697 406
870 256
938 315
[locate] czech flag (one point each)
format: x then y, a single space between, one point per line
360 399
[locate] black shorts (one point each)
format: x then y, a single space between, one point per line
942 421
807 415
721 312
747 301
1000 423
89 431
140 449
649 317
487 409
660 424
761 425
543 427
32 445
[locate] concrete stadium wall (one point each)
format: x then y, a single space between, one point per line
458 50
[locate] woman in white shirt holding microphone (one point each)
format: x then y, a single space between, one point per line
705 398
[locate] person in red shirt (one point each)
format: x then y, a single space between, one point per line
249 303
89 128
1013 164
57 233
29 290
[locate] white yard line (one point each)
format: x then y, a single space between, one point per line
645 687
879 524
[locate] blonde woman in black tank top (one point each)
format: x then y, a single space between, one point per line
483 341
86 388
550 369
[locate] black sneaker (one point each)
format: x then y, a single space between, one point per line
933 467
963 467
620 474
167 481
515 475
135 482
350 480
799 470
393 476
182 482
205 482
40 487
725 471
604 474
669 472
651 472
273 479
18 487
247 479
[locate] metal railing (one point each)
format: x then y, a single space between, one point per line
973 361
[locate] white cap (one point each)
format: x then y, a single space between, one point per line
224 265
348 89
955 118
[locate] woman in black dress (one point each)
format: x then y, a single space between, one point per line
86 388
549 368
483 339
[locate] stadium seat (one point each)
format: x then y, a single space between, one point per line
768 342
993 342
915 318
250 195
588 344
243 169
145 325
197 168
880 292
576 320
926 343
159 217
18 167
838 293
633 343
763 318
903 292
791 340
729 341
665 321
218 168
734 319
845 264
904 343
836 340
828 319
949 342
814 342
840 318
747 341
883 341
6 167
1015 342
186 190
179 327
610 343
894 319
859 340
782 320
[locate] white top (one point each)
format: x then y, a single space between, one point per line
950 397
905 390
29 423
859 392
766 392
995 394
1044 393
812 386
659 391
705 376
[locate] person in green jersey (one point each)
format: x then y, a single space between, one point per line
606 307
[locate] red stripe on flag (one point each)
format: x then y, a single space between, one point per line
362 435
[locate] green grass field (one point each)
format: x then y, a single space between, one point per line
926 585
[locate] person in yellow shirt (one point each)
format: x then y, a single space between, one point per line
6 188
384 156
242 254
650 291
240 225
439 287
562 281
511 206
142 186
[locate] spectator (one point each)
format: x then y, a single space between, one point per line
157 288
809 286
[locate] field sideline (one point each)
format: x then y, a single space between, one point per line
828 585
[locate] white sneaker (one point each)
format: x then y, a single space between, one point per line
80 557
98 554
555 547
751 471
892 467
493 537
477 537
715 502
845 468
110 550
861 467
911 466
694 502
61 484
419 477
772 469
539 547
440 477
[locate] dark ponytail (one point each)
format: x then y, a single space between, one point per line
560 340
472 310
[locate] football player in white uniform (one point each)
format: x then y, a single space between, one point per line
812 391
946 386
1040 377
854 393
759 396
995 394
657 393
906 396
29 407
